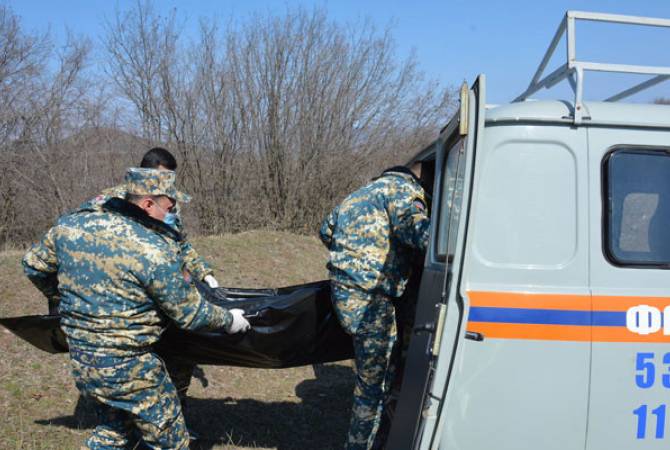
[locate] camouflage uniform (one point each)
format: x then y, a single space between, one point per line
372 237
193 262
119 276
180 372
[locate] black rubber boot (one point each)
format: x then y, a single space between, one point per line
192 435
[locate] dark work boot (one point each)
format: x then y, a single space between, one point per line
192 435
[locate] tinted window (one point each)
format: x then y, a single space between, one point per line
637 209
451 197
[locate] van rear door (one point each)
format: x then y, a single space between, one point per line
524 288
439 309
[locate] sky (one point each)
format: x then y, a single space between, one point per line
454 40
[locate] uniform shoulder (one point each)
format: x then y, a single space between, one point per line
116 237
82 223
390 183
405 181
140 220
403 190
95 203
115 191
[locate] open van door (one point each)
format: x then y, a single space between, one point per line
438 324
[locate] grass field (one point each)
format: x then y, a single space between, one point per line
300 408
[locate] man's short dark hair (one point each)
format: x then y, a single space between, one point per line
135 198
158 156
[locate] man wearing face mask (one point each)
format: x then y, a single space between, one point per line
118 272
161 159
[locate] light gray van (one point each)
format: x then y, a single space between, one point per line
543 319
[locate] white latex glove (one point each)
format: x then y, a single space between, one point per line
239 323
211 282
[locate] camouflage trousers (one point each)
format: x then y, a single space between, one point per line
181 374
370 320
130 392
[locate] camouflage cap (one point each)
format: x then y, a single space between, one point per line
183 197
140 181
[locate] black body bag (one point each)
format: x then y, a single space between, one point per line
291 326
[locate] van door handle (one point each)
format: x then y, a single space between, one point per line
424 328
474 336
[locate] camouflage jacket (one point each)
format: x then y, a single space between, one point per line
375 232
195 264
119 276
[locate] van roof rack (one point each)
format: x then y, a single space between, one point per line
574 69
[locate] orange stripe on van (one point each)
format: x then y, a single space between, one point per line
615 303
531 331
570 302
562 333
621 334
530 300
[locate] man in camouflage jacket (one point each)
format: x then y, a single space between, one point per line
119 275
159 158
372 236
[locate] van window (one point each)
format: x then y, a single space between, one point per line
637 206
451 196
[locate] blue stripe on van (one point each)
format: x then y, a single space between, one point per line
609 318
547 316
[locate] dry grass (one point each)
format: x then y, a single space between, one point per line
300 408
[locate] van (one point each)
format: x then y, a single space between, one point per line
543 317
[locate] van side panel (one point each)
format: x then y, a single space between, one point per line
630 389
525 287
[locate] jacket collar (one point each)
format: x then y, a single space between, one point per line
401 171
125 208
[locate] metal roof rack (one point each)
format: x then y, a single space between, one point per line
574 70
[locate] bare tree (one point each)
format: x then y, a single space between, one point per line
22 60
319 99
46 101
273 118
140 44
269 117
